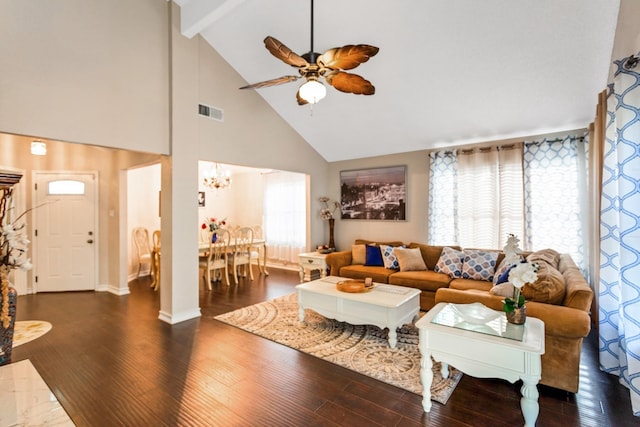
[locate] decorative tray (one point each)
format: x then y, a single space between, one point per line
353 286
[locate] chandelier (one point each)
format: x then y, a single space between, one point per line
217 178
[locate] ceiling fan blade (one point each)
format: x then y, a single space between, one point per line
346 57
299 99
272 82
283 53
350 83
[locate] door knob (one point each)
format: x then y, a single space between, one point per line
90 241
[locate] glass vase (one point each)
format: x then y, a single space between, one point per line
518 316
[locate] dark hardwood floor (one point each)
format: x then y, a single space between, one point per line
111 362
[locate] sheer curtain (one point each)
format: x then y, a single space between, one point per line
475 196
619 286
490 184
555 194
285 215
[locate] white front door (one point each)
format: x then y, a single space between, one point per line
65 233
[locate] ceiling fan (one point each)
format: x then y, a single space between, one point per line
313 67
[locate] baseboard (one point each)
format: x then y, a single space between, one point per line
179 317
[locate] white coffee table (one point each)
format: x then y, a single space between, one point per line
386 306
483 356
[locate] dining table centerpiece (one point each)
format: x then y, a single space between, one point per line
213 224
13 255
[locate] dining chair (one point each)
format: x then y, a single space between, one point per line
240 257
216 257
155 260
256 251
204 234
143 250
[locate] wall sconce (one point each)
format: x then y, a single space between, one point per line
38 148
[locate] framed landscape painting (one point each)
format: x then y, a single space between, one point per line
374 194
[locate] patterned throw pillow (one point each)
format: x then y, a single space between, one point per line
479 265
450 262
389 257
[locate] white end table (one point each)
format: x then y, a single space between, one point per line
482 355
312 261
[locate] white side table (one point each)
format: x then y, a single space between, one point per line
483 356
310 261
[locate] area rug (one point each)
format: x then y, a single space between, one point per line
29 330
361 348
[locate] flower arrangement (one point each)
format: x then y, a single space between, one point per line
520 275
329 207
213 224
13 249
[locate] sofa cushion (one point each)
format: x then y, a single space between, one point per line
467 284
373 256
389 257
450 262
378 274
425 280
410 259
358 254
505 289
430 254
549 288
549 256
479 265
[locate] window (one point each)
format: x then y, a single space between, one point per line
65 187
535 190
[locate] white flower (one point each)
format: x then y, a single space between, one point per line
511 250
523 273
326 212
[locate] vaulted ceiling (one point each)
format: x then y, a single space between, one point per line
448 72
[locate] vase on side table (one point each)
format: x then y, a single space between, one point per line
518 316
332 223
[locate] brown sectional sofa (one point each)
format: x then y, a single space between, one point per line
565 325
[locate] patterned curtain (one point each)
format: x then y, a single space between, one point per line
443 200
619 287
555 194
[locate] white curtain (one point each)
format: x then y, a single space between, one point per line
490 195
619 287
475 197
285 215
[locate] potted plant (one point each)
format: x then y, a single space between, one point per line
520 275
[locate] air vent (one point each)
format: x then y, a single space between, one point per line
211 112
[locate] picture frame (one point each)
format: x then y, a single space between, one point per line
374 194
201 199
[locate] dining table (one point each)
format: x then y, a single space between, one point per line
257 243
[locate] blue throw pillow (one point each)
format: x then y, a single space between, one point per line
504 277
374 256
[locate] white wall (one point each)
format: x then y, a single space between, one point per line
86 71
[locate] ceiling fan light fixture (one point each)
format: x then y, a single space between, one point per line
312 91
